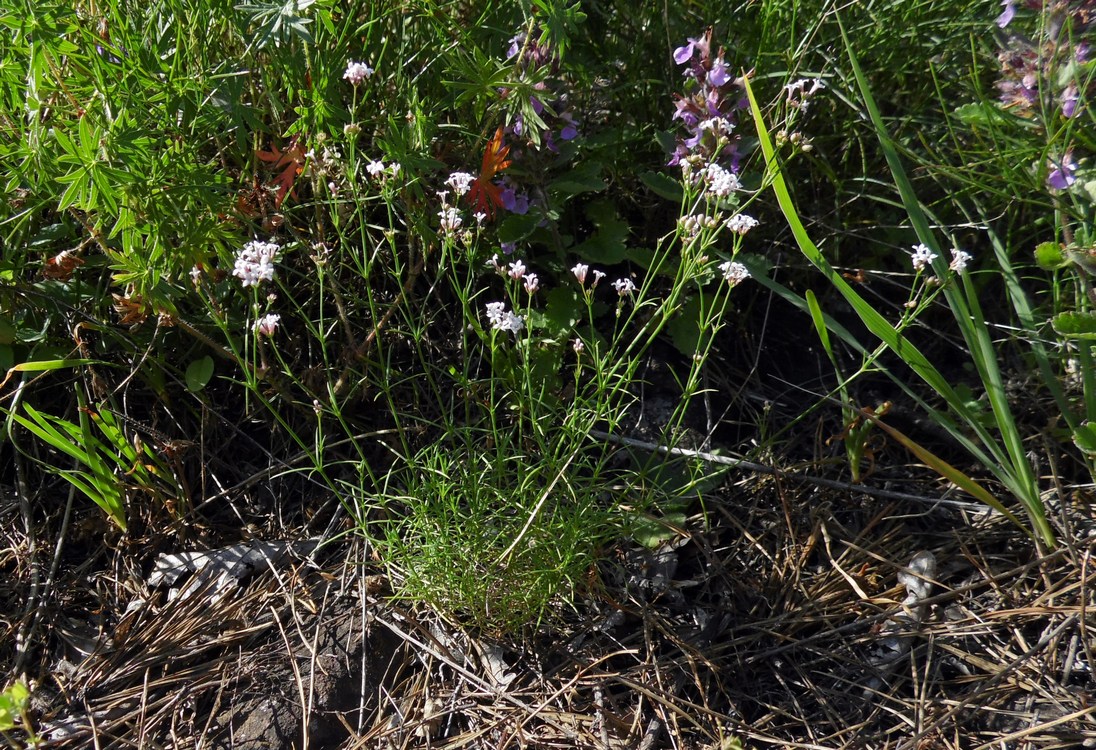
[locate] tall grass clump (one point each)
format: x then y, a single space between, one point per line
984 420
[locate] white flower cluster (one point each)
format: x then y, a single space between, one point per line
581 269
461 182
255 262
798 94
356 72
734 272
502 319
451 220
720 181
624 287
741 223
922 257
718 125
959 260
378 170
268 324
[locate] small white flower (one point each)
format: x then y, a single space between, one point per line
624 286
741 223
495 313
577 345
532 283
394 169
513 323
517 270
356 72
580 270
959 260
718 125
922 257
195 275
255 262
375 168
503 320
734 272
450 220
461 182
798 94
494 263
479 216
720 182
598 276
268 324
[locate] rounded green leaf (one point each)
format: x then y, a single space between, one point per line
1084 437
198 373
1075 325
1050 257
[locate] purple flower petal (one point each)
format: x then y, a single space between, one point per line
513 201
1005 18
1070 98
719 75
1061 177
683 54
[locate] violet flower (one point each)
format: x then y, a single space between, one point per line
1062 176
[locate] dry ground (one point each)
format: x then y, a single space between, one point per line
778 622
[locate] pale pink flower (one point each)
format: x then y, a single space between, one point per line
624 286
356 72
734 272
580 270
959 260
255 262
460 182
741 223
450 220
517 270
268 324
532 283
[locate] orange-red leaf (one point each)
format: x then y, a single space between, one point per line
485 195
290 162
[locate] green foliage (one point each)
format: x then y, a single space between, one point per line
13 705
148 145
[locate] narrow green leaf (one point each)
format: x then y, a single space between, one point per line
819 322
946 470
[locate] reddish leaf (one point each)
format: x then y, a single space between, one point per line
484 194
290 162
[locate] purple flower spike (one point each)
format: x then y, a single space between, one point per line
1062 176
1005 18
